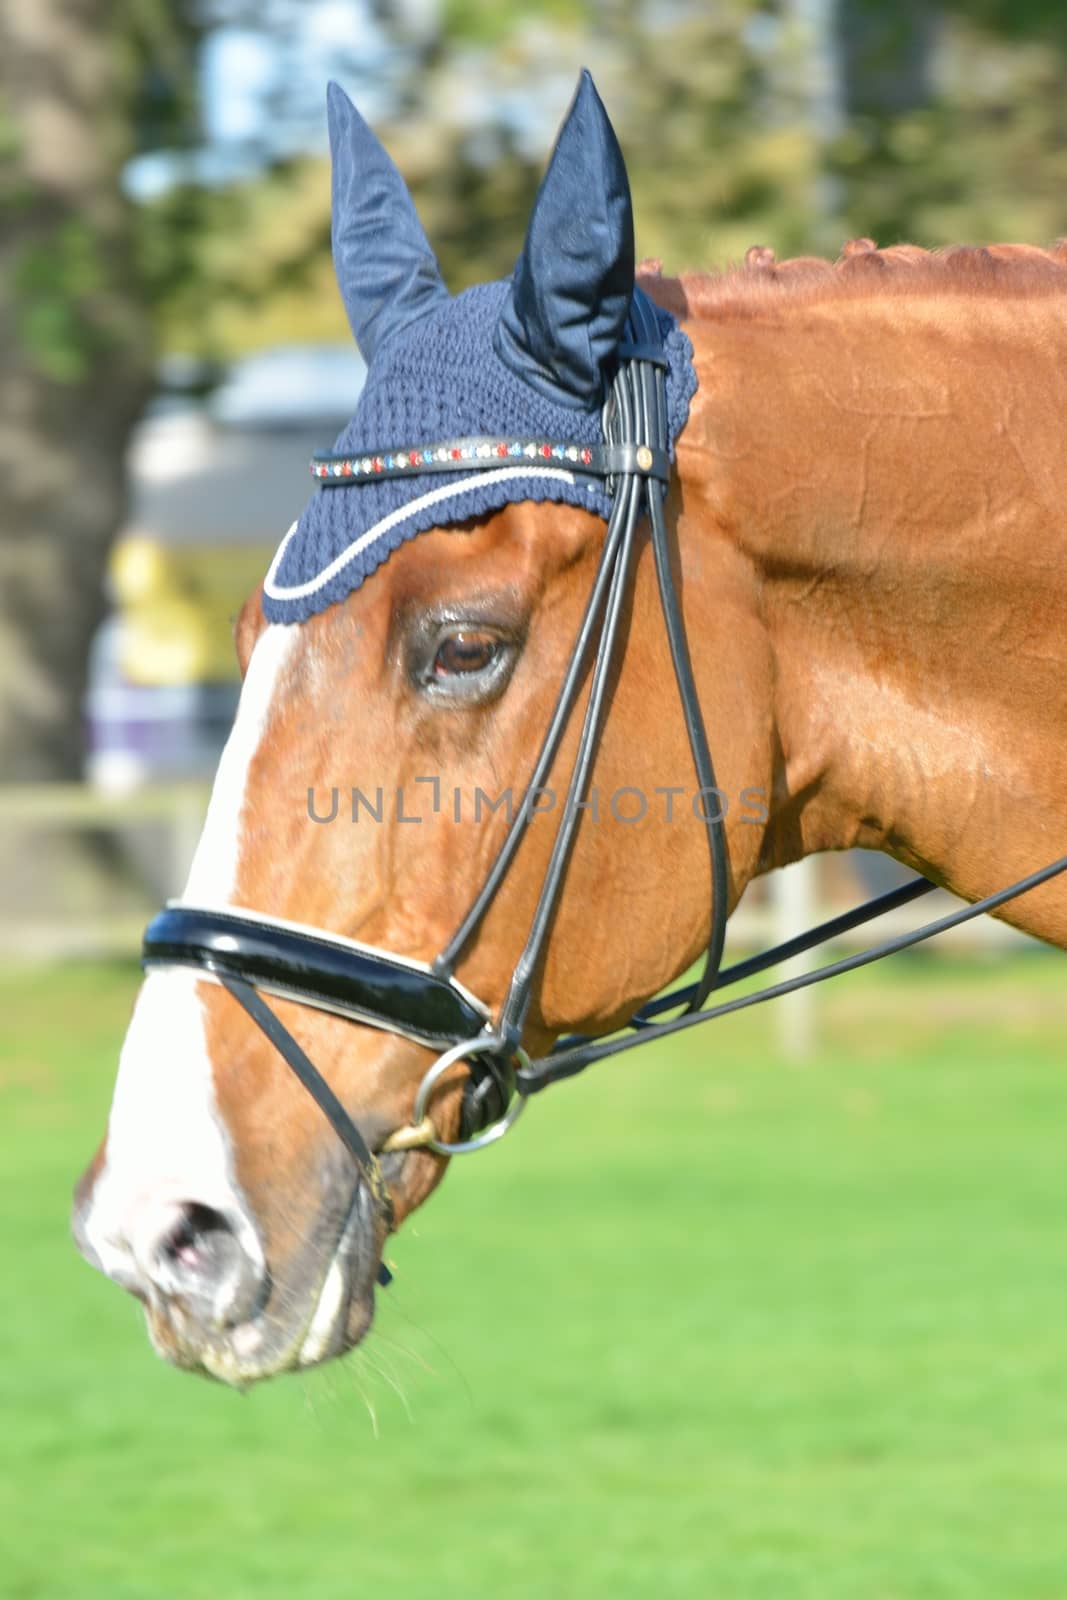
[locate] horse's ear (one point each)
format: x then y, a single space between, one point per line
574 281
387 272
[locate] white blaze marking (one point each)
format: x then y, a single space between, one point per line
214 869
167 1142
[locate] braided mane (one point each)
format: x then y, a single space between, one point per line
762 282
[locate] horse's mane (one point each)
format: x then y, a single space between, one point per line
762 282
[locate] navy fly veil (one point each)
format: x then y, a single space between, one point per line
526 362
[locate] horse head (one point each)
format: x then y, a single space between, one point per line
402 662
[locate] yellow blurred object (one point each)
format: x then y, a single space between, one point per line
138 569
178 604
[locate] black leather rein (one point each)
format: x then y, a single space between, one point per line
247 952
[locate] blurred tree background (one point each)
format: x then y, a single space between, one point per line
137 220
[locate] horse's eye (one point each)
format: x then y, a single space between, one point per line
465 652
462 661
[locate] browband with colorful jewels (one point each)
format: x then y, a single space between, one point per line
458 455
452 455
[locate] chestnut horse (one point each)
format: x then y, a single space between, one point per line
867 517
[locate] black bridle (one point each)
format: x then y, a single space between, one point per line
247 952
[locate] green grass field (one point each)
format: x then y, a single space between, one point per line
708 1324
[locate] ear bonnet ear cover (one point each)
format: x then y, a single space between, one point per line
526 358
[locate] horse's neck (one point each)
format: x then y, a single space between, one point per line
894 472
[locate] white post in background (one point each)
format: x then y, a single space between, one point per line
794 901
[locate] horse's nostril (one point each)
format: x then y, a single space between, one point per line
198 1238
199 1261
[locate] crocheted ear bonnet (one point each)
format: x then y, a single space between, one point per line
526 361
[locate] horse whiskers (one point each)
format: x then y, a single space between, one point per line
398 1348
311 1407
388 1377
398 1310
335 1384
365 1397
